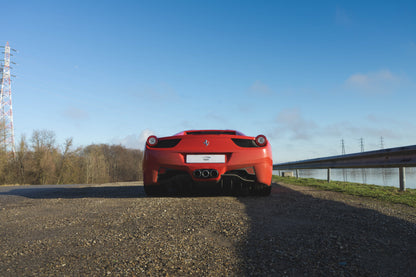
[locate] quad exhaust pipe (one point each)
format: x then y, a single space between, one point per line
206 173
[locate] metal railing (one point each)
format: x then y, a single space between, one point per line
399 157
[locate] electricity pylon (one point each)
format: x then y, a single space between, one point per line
6 108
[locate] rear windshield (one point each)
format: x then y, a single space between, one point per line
211 133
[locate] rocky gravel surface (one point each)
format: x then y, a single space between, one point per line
115 230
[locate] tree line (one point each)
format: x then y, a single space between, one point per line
41 161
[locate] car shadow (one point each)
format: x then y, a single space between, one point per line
295 234
76 191
100 191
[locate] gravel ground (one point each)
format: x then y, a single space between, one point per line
114 229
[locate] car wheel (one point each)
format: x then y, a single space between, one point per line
263 190
266 191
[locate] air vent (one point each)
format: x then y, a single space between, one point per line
167 143
245 142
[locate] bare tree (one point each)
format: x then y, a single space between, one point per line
22 160
96 166
44 154
42 162
4 155
69 165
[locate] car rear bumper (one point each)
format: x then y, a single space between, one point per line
255 162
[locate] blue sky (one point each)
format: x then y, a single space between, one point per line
304 73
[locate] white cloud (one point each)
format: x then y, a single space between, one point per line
75 113
260 88
365 129
134 141
130 141
382 81
143 137
292 123
294 136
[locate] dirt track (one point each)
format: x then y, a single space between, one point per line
115 229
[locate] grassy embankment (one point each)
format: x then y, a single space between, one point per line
388 194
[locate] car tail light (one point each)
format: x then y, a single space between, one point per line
261 140
152 140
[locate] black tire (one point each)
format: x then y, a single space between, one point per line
266 191
262 190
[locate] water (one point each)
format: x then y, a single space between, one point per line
374 176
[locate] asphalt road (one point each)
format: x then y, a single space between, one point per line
114 229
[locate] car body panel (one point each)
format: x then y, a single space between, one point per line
207 142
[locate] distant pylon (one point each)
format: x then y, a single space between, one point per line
6 109
381 142
342 147
362 144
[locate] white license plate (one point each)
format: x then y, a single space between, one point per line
192 159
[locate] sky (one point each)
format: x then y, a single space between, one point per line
307 74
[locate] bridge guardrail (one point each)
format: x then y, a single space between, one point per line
398 157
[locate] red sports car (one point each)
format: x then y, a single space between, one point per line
222 159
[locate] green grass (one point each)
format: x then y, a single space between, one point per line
388 194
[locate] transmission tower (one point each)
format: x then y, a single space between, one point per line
342 147
381 142
363 171
362 144
6 110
